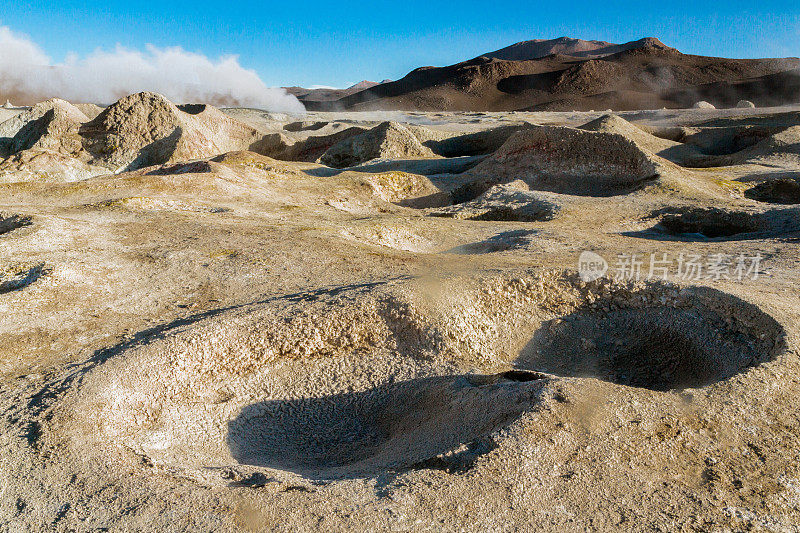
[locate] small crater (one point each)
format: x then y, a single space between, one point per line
702 337
16 277
777 191
702 223
710 222
192 109
439 422
295 394
504 241
12 222
304 126
523 376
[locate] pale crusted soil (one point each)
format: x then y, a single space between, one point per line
244 343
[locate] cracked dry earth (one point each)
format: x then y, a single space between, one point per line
251 340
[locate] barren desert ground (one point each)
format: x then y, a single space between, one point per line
232 320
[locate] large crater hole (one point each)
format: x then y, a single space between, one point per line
690 343
441 421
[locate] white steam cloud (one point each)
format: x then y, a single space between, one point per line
103 77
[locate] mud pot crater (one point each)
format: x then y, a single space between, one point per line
10 222
16 276
709 223
776 191
689 341
357 381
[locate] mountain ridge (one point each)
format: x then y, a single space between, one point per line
572 74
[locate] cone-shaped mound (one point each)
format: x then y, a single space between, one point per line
146 129
570 161
49 125
388 140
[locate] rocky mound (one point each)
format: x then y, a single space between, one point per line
308 149
49 125
401 187
146 129
565 160
312 148
388 140
46 165
677 152
616 124
510 202
90 110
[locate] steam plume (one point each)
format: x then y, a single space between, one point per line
28 74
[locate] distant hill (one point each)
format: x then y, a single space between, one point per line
328 94
539 48
572 74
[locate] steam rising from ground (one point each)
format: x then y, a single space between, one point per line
28 74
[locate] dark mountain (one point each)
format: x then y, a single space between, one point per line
580 75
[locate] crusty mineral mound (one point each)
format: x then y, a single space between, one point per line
510 202
388 140
46 166
310 149
568 160
49 125
146 129
401 186
682 154
615 124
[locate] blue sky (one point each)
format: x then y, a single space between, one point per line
339 43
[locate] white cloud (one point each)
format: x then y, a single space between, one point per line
105 76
